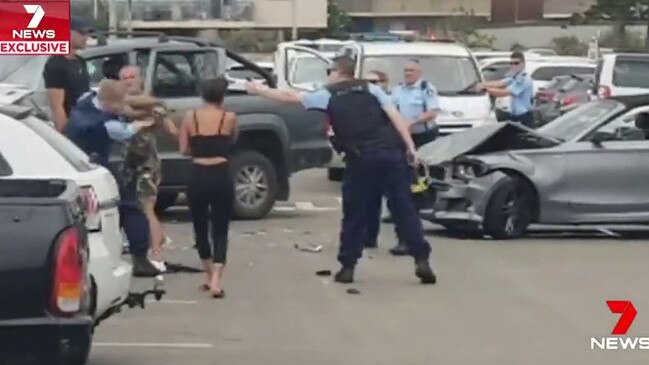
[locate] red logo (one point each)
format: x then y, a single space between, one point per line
34 27
628 311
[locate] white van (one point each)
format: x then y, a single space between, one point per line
448 66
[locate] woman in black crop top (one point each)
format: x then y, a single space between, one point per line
206 136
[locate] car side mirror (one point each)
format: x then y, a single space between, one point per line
599 137
642 121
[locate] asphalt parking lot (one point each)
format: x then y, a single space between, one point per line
533 301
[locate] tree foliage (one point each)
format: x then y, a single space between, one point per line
569 46
337 19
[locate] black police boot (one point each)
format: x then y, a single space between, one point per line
143 268
400 249
345 275
424 272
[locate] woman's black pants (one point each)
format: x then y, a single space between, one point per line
211 200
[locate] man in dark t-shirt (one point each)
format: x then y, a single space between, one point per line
66 77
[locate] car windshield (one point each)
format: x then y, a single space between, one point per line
573 123
450 75
23 70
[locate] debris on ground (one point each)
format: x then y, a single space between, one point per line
286 230
353 291
309 248
323 273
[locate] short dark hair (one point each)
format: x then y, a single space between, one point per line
517 55
345 66
214 90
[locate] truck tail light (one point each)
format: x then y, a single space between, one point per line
604 92
568 100
91 208
69 273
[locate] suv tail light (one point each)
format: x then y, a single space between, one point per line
604 92
69 273
569 99
91 208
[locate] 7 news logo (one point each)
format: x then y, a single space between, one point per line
34 27
627 314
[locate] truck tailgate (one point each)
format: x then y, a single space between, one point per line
32 214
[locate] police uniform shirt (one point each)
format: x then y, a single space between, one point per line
411 99
521 88
320 99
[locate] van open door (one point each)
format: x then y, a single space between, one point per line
301 68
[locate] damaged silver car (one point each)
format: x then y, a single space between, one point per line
589 166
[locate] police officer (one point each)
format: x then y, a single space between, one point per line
519 86
377 144
95 126
417 100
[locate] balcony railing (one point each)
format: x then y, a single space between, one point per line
180 10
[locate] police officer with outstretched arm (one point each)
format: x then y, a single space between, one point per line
378 145
518 84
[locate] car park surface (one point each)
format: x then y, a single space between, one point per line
533 301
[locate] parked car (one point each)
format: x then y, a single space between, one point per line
585 167
620 74
274 141
573 91
45 316
541 69
449 66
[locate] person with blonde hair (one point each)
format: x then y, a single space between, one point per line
97 126
142 153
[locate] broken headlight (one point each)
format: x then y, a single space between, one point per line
468 170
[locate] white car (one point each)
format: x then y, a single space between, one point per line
541 69
237 75
35 150
448 66
620 74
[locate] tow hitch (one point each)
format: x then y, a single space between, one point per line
135 299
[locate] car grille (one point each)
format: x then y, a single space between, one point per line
437 172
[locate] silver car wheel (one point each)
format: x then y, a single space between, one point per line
251 186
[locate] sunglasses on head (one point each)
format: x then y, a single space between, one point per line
329 71
514 63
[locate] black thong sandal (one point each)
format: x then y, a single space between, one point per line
219 295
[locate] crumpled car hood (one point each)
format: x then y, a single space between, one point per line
479 140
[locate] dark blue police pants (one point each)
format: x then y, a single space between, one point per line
367 178
133 221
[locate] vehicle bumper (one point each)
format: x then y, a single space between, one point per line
112 280
310 156
23 338
460 202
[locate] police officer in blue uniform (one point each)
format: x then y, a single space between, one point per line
96 126
377 144
519 86
417 101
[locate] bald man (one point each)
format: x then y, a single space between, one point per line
97 127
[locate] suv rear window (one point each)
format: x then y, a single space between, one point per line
547 73
631 73
77 158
